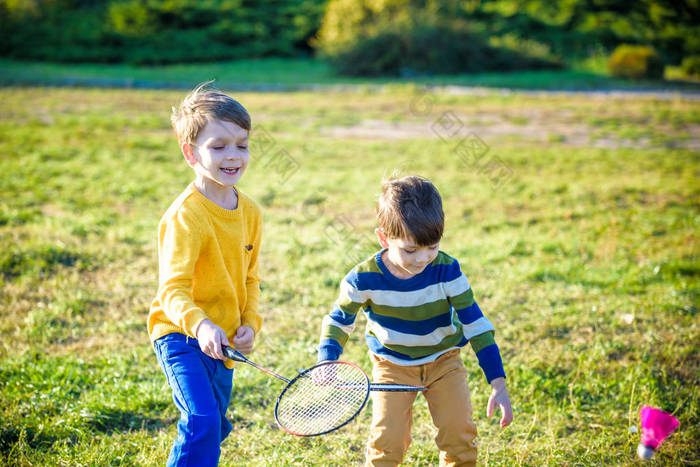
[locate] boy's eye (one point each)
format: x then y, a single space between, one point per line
218 148
409 251
243 148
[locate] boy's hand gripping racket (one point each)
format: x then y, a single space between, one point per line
322 398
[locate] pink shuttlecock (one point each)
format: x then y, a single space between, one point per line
657 425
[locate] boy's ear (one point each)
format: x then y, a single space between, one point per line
187 151
382 238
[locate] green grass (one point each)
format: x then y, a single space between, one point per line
295 73
580 241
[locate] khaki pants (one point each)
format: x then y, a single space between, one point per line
448 401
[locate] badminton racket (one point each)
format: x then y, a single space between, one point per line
323 398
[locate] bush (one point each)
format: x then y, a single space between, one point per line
131 19
393 37
636 62
691 65
429 50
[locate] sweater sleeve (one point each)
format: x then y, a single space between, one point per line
250 316
477 328
179 244
488 354
340 322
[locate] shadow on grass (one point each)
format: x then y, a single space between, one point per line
12 435
16 434
111 419
42 260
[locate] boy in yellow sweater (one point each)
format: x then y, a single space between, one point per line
208 245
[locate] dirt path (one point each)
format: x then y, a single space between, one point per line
530 126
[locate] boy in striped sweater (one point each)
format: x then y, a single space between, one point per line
420 311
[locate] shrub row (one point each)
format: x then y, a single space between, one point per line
156 31
391 36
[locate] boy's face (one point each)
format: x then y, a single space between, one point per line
406 255
219 155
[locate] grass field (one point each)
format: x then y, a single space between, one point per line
265 73
575 218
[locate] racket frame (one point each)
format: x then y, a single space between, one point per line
306 374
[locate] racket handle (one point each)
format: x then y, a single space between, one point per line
388 387
233 354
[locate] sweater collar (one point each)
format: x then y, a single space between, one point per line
214 208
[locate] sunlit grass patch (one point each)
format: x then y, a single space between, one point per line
584 256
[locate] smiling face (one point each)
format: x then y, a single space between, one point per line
404 257
219 157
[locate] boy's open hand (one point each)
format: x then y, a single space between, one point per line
324 375
499 397
211 337
244 339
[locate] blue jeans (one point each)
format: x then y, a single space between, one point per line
201 390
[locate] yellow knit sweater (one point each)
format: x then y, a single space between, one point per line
208 266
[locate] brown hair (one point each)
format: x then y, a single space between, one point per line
411 207
202 105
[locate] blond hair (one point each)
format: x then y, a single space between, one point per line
411 208
202 105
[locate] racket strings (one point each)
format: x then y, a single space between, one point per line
323 399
